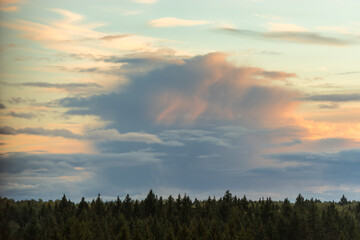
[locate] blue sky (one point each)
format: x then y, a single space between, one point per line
114 97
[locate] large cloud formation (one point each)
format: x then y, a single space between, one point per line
202 89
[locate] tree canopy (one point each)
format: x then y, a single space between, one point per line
228 217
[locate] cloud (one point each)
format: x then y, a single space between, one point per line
18 186
285 27
346 97
72 34
175 22
294 35
345 156
10 5
20 100
2 106
329 106
42 175
114 37
348 73
39 131
66 86
28 115
202 88
94 135
114 135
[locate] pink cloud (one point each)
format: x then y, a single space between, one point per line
10 5
216 89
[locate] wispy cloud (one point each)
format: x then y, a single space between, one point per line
345 97
93 135
67 86
18 186
329 106
175 22
294 35
114 135
39 131
10 5
285 27
20 100
28 115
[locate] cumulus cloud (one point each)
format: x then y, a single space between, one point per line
294 35
175 22
203 88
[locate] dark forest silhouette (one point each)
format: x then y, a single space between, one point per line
180 218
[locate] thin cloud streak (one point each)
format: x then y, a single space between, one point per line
293 36
67 86
333 97
22 115
94 135
175 22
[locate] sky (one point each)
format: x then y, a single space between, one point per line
258 97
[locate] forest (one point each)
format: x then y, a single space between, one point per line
180 218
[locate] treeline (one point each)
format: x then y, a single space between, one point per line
182 218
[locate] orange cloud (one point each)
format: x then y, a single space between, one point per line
322 129
4 5
32 143
215 89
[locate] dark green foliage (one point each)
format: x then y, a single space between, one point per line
229 217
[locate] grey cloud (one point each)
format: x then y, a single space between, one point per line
217 90
39 131
67 86
297 37
334 97
308 38
345 156
2 106
278 75
22 115
114 37
20 100
285 144
94 135
329 106
193 135
273 53
74 174
348 73
326 85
